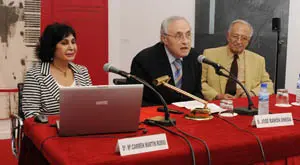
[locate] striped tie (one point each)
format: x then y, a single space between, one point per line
178 73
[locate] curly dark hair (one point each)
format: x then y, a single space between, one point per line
52 34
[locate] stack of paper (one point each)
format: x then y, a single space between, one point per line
196 104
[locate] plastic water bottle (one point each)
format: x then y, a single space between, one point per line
263 103
298 91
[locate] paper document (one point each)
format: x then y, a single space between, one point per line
196 104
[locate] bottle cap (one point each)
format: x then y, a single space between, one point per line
263 85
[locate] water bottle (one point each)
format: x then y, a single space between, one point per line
298 91
263 103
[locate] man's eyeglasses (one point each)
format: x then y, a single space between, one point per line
240 37
180 36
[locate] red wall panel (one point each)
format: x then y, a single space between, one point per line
89 18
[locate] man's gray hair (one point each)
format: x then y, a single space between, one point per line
243 22
165 23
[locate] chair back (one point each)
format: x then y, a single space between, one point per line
20 97
17 125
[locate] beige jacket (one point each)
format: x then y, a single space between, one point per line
255 73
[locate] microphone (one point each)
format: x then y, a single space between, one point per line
250 110
203 59
109 68
166 120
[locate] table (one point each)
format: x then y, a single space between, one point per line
227 144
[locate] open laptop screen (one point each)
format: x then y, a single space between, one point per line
99 109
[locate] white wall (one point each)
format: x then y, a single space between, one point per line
135 25
293 51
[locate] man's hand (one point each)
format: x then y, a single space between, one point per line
224 96
240 93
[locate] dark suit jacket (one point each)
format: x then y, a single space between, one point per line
153 62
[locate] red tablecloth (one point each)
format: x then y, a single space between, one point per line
227 144
6 156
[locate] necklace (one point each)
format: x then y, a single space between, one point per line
62 71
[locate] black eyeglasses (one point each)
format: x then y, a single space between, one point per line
180 36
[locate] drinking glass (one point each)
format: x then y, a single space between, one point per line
282 97
228 106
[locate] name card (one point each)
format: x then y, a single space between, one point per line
273 120
137 145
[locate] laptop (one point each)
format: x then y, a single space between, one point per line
99 109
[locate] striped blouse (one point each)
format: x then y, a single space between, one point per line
41 92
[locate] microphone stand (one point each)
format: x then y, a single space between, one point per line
166 120
278 47
250 110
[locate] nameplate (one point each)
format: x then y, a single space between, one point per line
273 120
137 145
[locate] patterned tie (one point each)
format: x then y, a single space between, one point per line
231 85
178 73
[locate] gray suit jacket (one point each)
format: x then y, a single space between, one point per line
41 92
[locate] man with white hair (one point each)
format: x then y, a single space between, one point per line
172 56
247 66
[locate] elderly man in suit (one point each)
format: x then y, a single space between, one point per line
247 66
173 56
